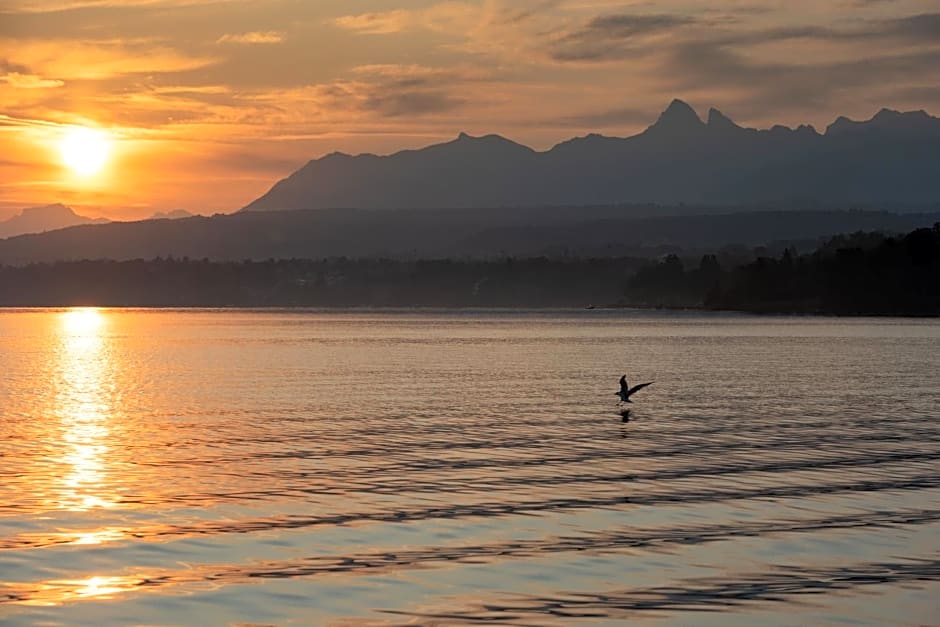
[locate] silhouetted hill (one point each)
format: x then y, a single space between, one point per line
41 219
892 159
458 233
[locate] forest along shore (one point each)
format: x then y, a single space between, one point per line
856 274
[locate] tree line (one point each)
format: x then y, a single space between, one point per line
856 274
335 282
860 273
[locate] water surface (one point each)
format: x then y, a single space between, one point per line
226 467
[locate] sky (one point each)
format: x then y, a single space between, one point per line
206 104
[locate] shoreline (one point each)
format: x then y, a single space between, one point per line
443 309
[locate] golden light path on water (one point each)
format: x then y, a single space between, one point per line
84 410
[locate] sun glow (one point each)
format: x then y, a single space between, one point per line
84 150
82 321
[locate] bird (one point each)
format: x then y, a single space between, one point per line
626 391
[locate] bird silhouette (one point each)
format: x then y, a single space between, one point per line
626 391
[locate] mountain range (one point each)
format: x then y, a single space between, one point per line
889 161
58 216
45 218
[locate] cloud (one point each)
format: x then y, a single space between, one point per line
405 90
921 27
612 36
55 6
22 122
922 93
411 102
98 60
456 18
622 116
255 37
29 81
775 85
379 23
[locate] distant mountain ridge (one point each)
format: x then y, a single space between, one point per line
176 214
893 158
480 233
44 218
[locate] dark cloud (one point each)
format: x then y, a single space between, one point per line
778 85
6 66
625 116
924 93
925 26
867 58
914 29
624 26
390 103
517 16
612 36
398 91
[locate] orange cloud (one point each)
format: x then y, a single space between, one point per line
49 6
453 17
378 23
29 81
256 37
97 60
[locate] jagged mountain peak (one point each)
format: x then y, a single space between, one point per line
718 120
678 114
491 139
680 107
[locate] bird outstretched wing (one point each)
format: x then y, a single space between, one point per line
624 386
637 388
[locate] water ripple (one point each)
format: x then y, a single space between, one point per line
209 467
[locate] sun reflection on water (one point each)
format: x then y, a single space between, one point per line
59 591
83 322
84 409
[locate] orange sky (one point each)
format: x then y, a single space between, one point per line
209 102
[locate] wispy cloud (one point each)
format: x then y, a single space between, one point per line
255 37
97 60
15 122
29 81
378 23
612 36
53 6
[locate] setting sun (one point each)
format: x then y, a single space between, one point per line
85 150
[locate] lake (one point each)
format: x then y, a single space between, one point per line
410 467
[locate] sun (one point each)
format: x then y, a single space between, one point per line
85 150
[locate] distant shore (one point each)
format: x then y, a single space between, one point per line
862 274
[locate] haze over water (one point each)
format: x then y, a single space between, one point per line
214 467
